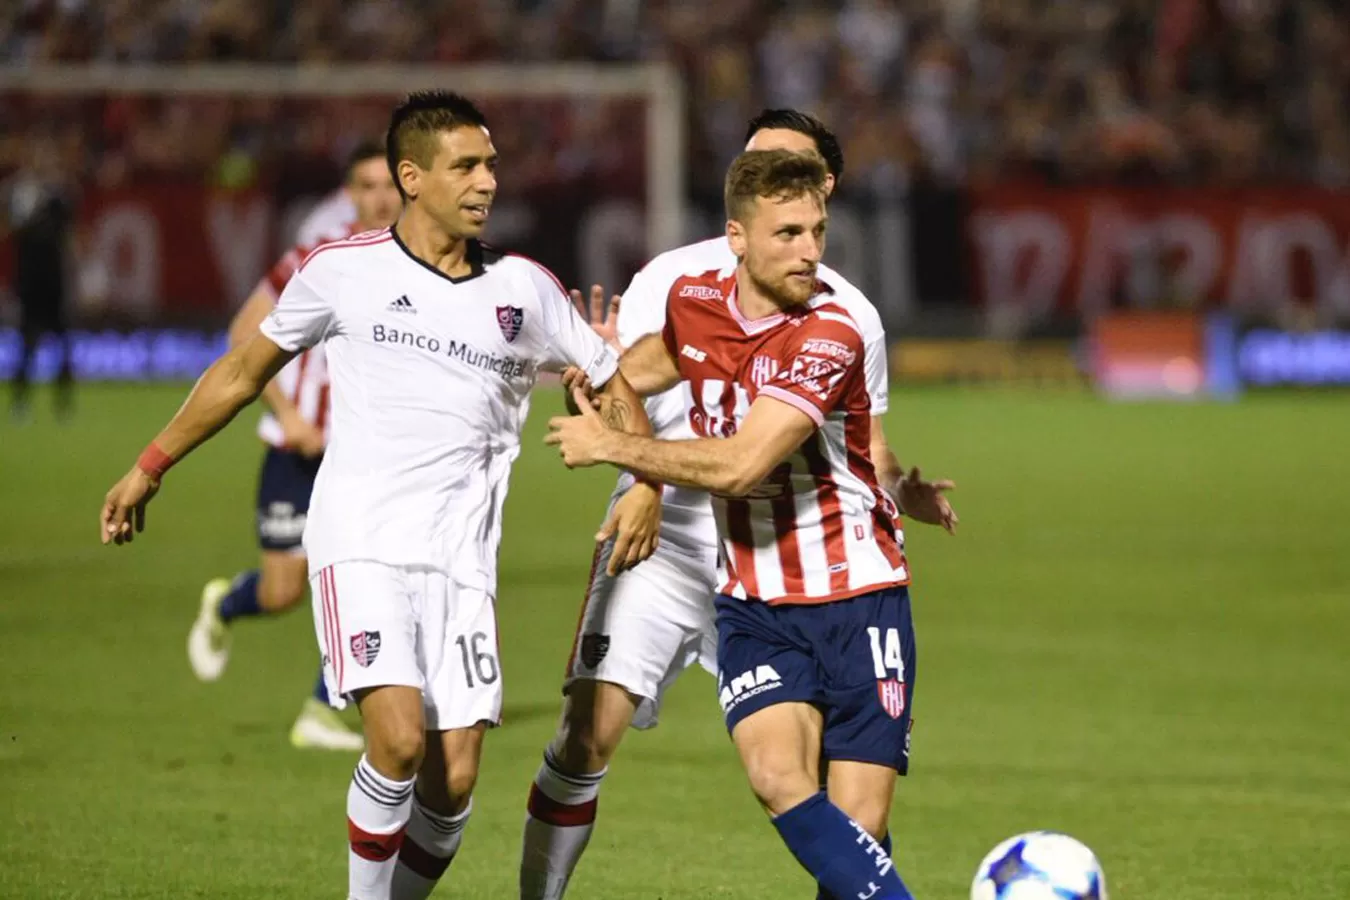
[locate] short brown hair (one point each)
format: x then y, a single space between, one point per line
417 121
775 174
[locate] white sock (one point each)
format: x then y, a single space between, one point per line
561 817
377 814
429 845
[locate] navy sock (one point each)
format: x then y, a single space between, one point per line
842 856
242 600
321 689
822 894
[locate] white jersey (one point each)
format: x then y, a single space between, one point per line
304 379
430 379
686 515
331 218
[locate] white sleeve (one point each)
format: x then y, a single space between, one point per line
569 340
302 316
642 310
876 361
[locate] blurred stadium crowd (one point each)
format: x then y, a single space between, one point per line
943 91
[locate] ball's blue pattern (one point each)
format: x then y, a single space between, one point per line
1013 868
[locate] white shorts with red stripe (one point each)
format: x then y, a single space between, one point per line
409 625
644 627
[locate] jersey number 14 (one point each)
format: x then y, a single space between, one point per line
886 657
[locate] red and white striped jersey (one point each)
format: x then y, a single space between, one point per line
304 379
819 528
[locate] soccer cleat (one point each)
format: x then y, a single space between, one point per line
208 643
318 727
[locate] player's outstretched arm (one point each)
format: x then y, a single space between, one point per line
923 501
732 466
298 433
230 384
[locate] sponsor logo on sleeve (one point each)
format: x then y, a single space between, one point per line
701 292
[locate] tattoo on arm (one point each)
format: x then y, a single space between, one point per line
615 412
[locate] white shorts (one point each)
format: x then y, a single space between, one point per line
641 629
411 625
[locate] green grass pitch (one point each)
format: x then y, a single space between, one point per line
1141 636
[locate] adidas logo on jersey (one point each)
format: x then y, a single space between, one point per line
693 353
402 304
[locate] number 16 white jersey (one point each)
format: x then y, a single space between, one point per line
430 381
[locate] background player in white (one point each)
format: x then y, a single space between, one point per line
641 627
294 429
815 637
434 342
330 218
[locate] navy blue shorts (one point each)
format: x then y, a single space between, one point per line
284 486
854 659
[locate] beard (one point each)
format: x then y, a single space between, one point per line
785 292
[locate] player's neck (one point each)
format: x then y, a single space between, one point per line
752 302
432 244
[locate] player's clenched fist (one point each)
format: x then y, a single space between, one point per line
124 507
579 438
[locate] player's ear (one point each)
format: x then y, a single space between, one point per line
410 177
736 237
829 185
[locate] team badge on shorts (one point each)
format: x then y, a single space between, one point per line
365 647
892 696
510 319
593 649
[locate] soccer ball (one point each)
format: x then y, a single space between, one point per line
1042 865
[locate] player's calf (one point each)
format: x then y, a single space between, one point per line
441 806
779 746
565 794
863 791
380 798
596 715
395 731
283 582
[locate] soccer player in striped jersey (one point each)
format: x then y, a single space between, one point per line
295 431
642 626
815 640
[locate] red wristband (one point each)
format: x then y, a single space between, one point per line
154 461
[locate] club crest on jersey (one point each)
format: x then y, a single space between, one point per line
892 696
762 370
365 647
593 649
509 320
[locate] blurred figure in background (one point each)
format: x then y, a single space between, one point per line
40 211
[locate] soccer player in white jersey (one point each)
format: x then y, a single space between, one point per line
815 647
330 218
294 429
434 342
642 627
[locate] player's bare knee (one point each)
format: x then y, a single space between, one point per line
779 783
595 718
460 784
400 750
396 749
447 793
582 747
